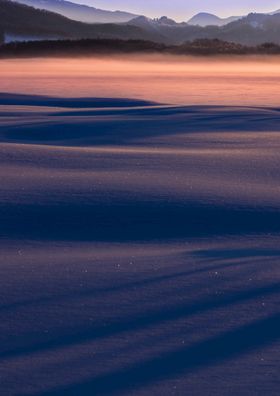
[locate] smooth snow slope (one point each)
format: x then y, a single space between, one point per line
139 248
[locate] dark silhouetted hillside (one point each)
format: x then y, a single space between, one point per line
22 20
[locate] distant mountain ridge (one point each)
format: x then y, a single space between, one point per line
90 14
205 19
21 22
254 29
80 12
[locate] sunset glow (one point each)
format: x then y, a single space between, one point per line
165 80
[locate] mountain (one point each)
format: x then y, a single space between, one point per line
21 21
165 21
161 29
169 32
80 12
164 29
204 19
254 29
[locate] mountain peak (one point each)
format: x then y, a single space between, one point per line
206 19
164 20
205 14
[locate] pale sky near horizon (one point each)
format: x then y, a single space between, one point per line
184 9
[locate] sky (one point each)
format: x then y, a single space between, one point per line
184 9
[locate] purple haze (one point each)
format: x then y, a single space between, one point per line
182 10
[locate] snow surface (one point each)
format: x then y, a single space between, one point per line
139 248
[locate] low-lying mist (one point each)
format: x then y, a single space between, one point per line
168 79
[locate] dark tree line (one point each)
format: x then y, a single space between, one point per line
111 46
